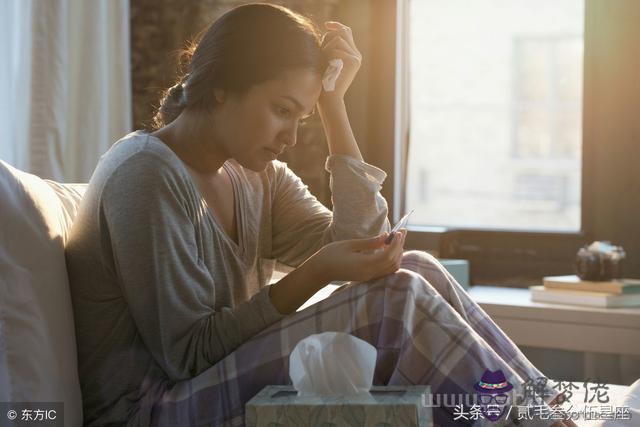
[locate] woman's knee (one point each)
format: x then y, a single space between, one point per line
414 259
437 278
400 288
427 266
409 281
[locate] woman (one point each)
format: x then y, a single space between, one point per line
177 236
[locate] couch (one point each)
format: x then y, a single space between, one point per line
38 359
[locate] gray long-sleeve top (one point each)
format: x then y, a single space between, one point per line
161 293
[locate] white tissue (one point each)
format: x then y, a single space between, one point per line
331 74
332 364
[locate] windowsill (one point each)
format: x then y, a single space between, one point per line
558 326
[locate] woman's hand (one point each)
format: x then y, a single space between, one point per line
338 43
359 259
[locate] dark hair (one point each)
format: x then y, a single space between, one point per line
248 45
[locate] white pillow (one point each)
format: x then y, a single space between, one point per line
69 196
38 356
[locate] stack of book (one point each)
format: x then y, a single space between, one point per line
572 290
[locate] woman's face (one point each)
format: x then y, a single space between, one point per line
260 124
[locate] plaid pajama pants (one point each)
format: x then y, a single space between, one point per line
426 328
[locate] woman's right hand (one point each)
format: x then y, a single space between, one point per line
359 259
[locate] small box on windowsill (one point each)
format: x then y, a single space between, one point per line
384 405
459 269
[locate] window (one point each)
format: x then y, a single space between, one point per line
606 192
496 114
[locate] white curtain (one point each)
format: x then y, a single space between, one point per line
65 84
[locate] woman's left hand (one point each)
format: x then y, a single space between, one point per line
338 43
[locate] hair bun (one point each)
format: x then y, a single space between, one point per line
172 104
177 94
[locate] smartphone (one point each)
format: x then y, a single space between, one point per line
400 224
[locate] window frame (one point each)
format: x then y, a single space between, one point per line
500 257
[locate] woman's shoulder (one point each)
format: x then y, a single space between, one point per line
142 146
139 160
143 150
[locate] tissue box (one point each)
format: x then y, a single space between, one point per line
280 405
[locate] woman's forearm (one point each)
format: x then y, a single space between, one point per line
340 136
295 288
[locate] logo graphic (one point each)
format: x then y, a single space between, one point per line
492 392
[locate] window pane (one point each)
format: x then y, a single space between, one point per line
496 113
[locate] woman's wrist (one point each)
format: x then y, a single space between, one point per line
317 271
298 286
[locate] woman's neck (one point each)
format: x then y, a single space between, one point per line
195 143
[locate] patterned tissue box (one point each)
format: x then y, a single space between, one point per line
280 405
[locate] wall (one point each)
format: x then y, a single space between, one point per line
612 125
